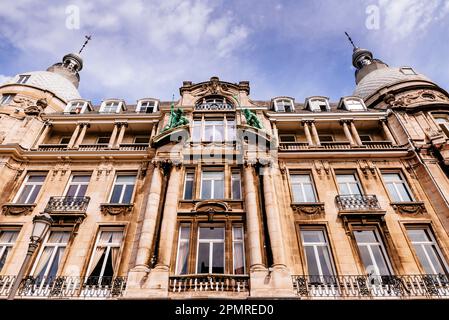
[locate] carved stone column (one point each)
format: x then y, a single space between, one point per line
44 134
315 133
121 134
355 134
344 123
74 136
252 219
149 220
387 131
113 135
82 134
307 132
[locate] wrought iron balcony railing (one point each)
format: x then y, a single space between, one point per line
65 287
363 286
357 202
67 204
209 282
337 145
211 106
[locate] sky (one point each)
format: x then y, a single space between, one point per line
143 49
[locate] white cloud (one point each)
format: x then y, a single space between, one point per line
4 79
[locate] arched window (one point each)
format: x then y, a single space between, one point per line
212 103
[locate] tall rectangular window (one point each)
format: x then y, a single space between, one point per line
78 185
123 188
372 252
236 185
189 185
348 184
231 130
212 185
397 186
183 249
7 239
210 252
147 106
302 187
30 188
213 130
427 250
317 253
104 260
238 250
50 255
23 78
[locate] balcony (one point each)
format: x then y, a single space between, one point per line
209 283
133 146
67 208
65 287
337 146
368 287
52 147
93 147
357 202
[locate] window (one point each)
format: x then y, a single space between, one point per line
397 186
326 138
372 252
6 98
183 249
65 140
427 250
211 251
123 188
110 107
231 129
212 185
213 130
319 105
50 256
78 185
147 106
189 185
443 122
196 131
105 257
103 140
76 107
365 137
238 250
7 239
142 139
236 185
23 78
354 105
30 188
205 248
284 105
348 184
287 138
408 71
316 249
302 187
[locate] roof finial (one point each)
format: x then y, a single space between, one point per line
350 40
85 42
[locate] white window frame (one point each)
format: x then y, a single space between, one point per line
357 182
78 184
107 103
315 246
315 105
237 241
7 98
187 173
108 249
212 185
23 78
123 189
236 173
142 102
282 102
311 182
5 245
424 246
182 241
211 248
34 184
402 181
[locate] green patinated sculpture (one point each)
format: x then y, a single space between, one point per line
251 119
176 119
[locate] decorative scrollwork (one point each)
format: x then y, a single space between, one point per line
409 208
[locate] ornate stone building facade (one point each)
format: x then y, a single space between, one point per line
218 195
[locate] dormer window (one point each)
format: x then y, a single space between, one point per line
408 71
319 104
23 78
284 105
6 98
112 106
214 103
352 104
147 106
77 107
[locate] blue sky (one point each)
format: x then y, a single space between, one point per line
294 48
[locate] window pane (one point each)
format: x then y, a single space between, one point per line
212 233
203 258
416 235
365 236
34 178
127 196
81 178
183 251
218 258
24 195
312 266
325 260
82 190
404 195
116 193
393 193
125 179
238 233
34 193
71 192
297 193
218 189
188 188
310 195
313 236
206 189
239 260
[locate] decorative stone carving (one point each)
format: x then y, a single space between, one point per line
16 209
251 119
115 209
308 209
176 119
416 97
211 206
414 208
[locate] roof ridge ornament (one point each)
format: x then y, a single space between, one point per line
85 43
350 40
